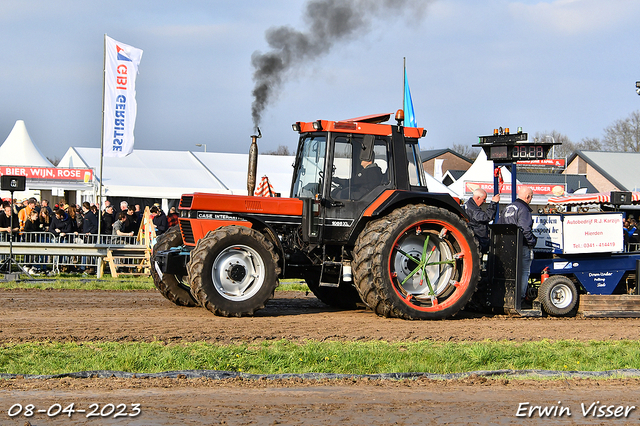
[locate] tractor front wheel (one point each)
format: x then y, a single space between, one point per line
233 271
171 286
418 262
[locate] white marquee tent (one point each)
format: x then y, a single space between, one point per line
19 150
169 174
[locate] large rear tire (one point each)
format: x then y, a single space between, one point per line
233 271
345 296
419 262
173 287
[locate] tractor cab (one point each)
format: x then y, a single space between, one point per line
342 167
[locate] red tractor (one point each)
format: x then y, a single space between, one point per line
359 227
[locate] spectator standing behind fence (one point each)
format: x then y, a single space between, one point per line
118 226
159 220
45 219
25 213
108 219
132 217
33 223
44 204
62 224
89 220
5 220
172 217
76 219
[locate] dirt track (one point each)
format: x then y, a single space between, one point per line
65 315
61 315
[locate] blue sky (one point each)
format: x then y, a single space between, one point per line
564 65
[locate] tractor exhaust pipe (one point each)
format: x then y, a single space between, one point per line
253 163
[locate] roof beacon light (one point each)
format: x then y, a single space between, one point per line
399 116
495 132
506 130
519 130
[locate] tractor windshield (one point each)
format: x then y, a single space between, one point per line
310 166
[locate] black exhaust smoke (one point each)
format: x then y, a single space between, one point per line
327 22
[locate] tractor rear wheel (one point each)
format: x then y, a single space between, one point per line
418 262
344 297
558 296
171 286
233 271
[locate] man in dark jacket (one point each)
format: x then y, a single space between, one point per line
519 213
108 218
60 223
159 220
479 219
5 221
89 220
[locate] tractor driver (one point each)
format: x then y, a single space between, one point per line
366 179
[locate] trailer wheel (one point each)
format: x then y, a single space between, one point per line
233 271
171 286
419 262
558 296
344 297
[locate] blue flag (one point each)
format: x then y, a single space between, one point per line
409 115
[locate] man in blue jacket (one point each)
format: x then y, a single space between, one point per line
519 213
479 219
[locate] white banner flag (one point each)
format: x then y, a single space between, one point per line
121 67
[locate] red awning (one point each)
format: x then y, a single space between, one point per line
597 198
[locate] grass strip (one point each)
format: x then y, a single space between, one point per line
320 357
79 282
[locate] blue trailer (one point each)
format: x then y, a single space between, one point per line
579 264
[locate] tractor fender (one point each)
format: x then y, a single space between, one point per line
268 231
393 199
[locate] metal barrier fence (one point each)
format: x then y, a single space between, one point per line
44 251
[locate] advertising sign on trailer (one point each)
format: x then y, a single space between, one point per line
593 233
548 229
579 233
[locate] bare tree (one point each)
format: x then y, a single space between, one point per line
624 134
560 151
590 144
281 150
55 160
466 150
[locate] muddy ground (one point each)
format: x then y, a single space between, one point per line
65 315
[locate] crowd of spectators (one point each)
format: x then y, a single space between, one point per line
31 215
35 221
